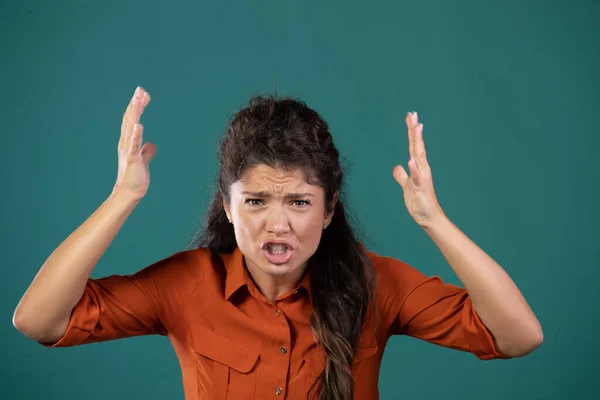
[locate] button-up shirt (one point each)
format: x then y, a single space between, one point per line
233 343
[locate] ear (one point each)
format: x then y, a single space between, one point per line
227 210
329 215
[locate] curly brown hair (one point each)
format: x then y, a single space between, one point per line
286 133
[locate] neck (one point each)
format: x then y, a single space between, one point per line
273 286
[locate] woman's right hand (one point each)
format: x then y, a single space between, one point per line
133 176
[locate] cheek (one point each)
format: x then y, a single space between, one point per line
249 225
308 228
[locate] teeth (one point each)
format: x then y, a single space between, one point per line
277 248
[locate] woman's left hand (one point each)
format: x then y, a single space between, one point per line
419 195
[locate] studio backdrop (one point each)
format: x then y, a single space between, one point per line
508 95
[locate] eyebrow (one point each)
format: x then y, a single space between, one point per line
268 194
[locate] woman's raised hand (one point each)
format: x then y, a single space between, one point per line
133 176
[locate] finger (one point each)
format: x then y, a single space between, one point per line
127 112
145 100
125 116
419 148
409 132
136 139
400 175
413 121
137 107
148 152
415 174
125 123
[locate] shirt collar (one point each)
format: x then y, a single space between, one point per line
238 276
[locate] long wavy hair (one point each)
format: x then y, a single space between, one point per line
286 133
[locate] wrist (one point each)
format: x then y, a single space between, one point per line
434 219
122 199
438 223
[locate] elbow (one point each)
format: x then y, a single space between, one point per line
23 324
525 345
31 328
531 344
20 323
536 340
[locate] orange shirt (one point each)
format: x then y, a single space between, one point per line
232 343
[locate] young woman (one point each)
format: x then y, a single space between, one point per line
279 299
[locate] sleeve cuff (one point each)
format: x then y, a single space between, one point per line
480 339
84 318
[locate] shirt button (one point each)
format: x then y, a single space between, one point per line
278 391
277 313
283 350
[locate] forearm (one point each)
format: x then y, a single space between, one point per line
494 295
44 310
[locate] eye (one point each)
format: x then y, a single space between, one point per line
301 203
254 202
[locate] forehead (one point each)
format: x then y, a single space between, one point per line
265 178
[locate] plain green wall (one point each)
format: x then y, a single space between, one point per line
508 93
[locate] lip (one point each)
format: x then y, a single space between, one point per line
277 259
267 243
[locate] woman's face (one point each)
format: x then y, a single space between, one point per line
278 220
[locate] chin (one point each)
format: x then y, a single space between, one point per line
277 269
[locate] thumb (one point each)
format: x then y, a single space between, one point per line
400 175
148 152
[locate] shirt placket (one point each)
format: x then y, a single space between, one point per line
274 384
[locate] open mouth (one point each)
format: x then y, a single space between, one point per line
277 248
277 253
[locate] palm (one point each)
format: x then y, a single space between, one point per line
134 174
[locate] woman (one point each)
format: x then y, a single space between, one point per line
279 299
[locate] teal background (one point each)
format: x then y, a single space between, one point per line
508 93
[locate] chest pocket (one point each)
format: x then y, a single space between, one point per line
226 369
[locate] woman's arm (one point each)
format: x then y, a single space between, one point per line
495 297
44 311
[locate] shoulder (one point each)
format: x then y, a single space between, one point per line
393 270
169 283
182 268
397 280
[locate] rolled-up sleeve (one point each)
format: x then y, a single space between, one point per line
429 309
443 314
111 308
148 302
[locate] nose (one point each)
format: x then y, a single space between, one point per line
278 221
